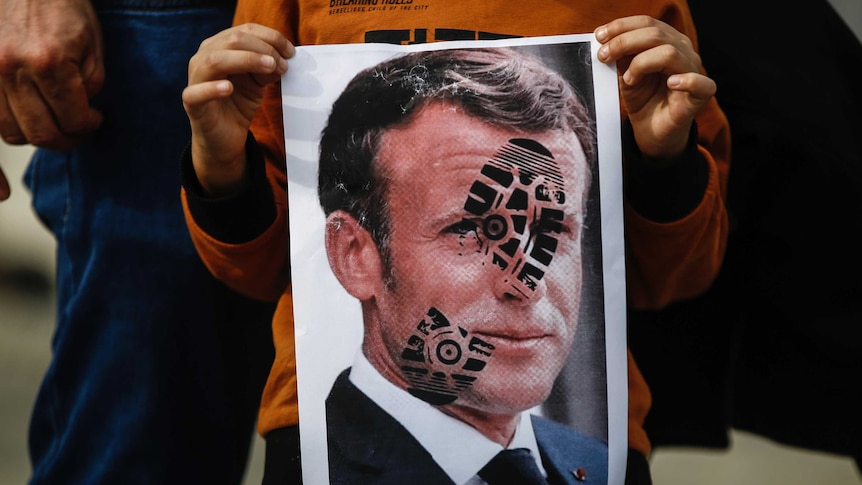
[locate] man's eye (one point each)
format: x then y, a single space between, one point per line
464 226
548 226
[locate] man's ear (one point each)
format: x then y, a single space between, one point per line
353 255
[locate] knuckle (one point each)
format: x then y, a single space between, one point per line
41 139
687 43
193 62
14 138
9 63
198 60
40 58
211 61
247 28
671 52
205 44
234 38
10 132
655 35
43 61
619 44
188 106
643 20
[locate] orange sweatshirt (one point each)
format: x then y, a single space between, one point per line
668 258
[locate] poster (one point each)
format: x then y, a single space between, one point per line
457 259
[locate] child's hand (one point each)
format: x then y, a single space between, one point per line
227 79
662 81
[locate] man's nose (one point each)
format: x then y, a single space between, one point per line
524 284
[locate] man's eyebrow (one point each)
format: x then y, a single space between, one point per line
454 214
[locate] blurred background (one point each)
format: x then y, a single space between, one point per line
27 324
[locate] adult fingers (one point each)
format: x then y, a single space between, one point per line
48 109
4 186
93 73
9 128
65 94
34 118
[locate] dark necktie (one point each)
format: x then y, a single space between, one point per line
511 467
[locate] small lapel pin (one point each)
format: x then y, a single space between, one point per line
580 474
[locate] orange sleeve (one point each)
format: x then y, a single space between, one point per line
259 268
248 268
667 262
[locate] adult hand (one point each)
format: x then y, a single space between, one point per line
662 81
227 79
50 66
4 186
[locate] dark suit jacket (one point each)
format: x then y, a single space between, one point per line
368 446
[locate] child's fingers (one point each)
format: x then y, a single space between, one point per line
271 37
700 87
219 64
665 59
196 96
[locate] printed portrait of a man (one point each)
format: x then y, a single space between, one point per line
455 185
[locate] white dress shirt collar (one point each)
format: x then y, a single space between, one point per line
458 448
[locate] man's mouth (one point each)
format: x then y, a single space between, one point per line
517 342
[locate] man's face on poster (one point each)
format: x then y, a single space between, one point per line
485 260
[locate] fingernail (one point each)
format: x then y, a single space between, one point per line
603 52
674 81
223 86
627 77
282 65
601 34
267 62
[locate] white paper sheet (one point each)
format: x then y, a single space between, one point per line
328 319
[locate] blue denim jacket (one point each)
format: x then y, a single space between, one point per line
157 368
